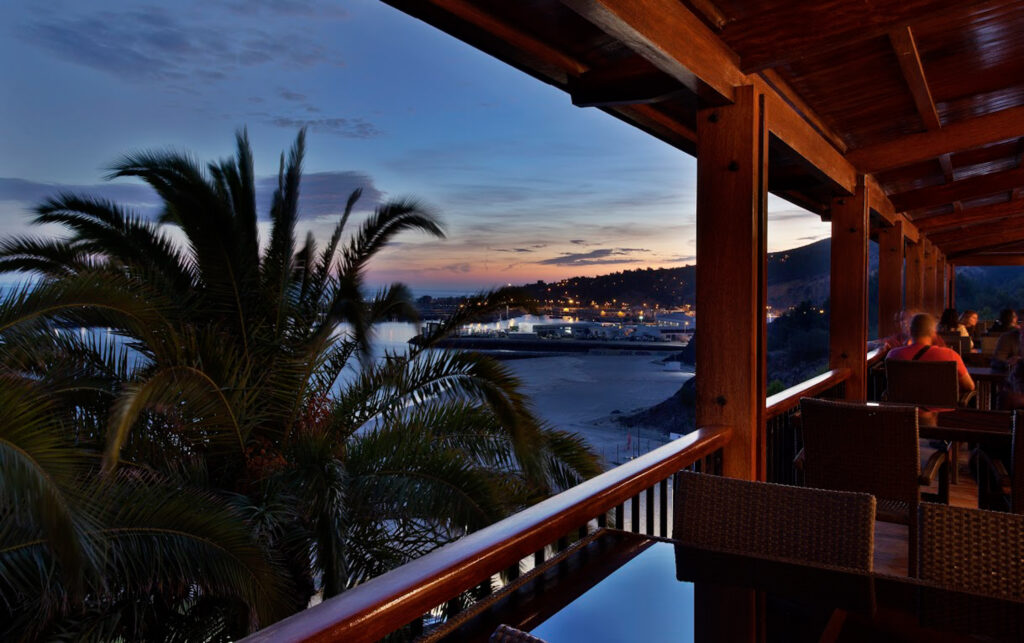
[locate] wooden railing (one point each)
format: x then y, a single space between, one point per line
404 595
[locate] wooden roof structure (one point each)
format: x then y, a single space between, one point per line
921 101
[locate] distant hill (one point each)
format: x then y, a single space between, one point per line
795 275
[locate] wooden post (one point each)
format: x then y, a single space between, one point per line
890 278
731 221
915 276
848 290
951 285
928 278
940 282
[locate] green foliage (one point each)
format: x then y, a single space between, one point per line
194 465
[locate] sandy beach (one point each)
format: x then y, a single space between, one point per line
581 393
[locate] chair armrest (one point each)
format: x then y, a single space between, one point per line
968 397
931 468
798 461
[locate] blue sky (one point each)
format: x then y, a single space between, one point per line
530 187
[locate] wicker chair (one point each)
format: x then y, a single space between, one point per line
930 384
989 343
955 341
927 384
1001 471
977 551
870 449
793 524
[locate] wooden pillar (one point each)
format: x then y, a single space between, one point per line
951 285
848 290
915 276
731 221
929 303
940 282
890 278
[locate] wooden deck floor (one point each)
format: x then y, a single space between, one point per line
891 539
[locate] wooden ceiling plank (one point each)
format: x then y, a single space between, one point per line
954 137
813 27
962 190
903 43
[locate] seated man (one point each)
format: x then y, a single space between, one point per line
922 348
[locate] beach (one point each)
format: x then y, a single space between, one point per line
583 393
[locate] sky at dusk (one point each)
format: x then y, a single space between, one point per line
529 186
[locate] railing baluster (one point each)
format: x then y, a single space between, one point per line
649 526
538 558
583 531
634 513
602 520
663 500
563 543
620 516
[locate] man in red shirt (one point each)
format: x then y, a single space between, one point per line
922 348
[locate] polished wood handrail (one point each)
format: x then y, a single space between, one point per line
379 606
783 401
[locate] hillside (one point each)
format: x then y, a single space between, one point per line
795 275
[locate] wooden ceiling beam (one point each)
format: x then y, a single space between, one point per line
903 43
994 259
598 89
673 39
962 190
910 231
878 201
678 42
979 238
809 28
954 137
971 216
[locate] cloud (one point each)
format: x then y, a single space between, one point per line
578 242
292 96
322 194
345 127
595 257
288 8
515 250
452 267
153 44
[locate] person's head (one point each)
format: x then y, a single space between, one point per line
949 319
1007 318
922 327
969 318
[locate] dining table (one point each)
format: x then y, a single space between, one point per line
987 380
617 586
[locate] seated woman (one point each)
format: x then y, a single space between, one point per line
969 320
923 348
950 323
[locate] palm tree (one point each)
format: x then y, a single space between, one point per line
220 445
